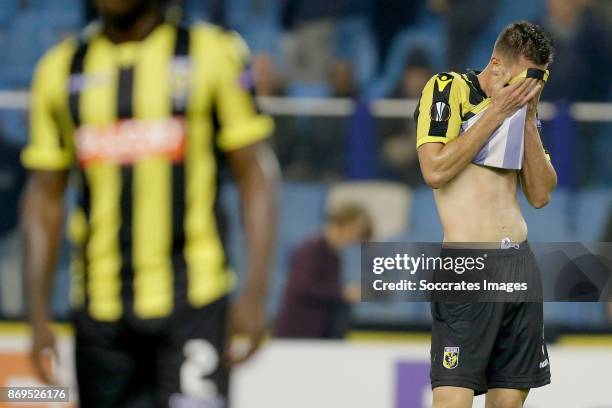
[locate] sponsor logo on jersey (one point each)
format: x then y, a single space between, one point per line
130 140
451 357
442 81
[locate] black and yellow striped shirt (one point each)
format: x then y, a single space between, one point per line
142 124
448 100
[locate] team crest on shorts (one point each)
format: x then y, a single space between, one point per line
451 357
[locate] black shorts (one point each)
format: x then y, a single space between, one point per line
171 362
483 345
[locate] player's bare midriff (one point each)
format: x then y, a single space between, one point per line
481 205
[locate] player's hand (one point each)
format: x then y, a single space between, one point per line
247 319
532 105
506 100
43 349
352 293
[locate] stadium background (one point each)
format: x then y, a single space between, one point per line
341 77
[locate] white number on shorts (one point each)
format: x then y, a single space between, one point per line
201 360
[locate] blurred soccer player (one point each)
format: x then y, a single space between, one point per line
143 112
494 347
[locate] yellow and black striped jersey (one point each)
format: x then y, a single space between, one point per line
448 100
143 125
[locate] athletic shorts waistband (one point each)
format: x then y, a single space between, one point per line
506 248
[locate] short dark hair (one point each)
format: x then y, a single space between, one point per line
527 40
348 212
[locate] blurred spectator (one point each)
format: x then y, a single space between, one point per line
466 21
309 51
265 76
310 38
12 179
399 158
298 12
90 12
416 73
217 11
581 69
315 302
603 9
388 18
607 235
303 145
342 80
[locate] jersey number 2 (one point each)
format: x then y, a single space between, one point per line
201 360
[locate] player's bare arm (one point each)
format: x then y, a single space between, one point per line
257 174
538 176
441 163
42 220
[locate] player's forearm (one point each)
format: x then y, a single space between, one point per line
258 190
259 226
457 154
538 176
42 220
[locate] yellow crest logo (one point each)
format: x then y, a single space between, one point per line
451 357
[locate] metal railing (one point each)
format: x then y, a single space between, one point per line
334 107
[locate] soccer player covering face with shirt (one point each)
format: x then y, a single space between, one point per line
493 348
143 112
